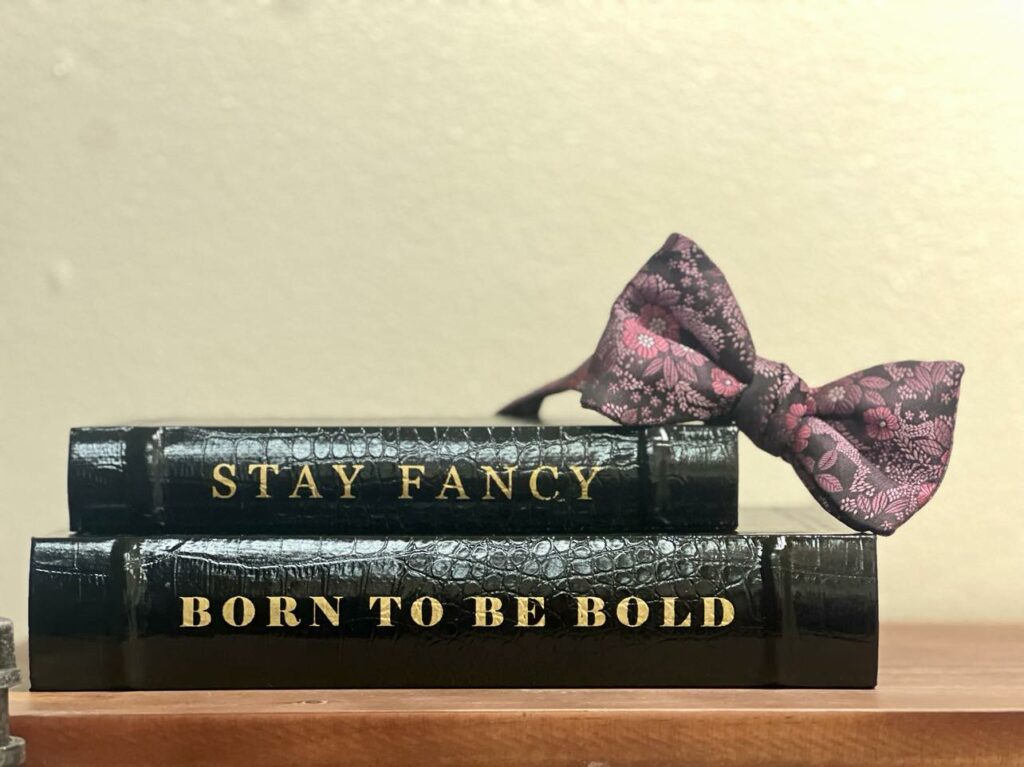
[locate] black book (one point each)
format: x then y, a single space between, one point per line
730 610
381 480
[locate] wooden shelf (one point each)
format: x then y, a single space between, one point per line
946 694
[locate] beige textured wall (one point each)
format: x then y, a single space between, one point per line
214 211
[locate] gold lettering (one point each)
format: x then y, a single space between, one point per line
490 475
585 481
669 604
346 479
195 612
526 610
436 611
331 613
409 481
728 611
222 474
306 482
587 608
282 611
533 483
642 612
261 470
427 612
453 482
248 611
487 614
385 608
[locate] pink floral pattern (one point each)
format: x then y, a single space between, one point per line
645 343
872 447
881 423
724 384
838 398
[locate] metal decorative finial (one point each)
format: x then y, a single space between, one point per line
12 749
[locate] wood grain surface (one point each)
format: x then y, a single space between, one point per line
946 695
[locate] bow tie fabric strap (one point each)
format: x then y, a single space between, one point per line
871 447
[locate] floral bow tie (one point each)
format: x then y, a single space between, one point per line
871 447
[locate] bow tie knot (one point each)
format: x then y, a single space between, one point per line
773 408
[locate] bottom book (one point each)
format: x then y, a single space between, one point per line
736 610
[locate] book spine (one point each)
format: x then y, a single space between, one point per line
602 611
402 480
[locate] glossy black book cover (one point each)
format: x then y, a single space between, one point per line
460 480
731 610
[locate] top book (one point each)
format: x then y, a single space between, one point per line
499 479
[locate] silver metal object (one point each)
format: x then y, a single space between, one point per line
12 749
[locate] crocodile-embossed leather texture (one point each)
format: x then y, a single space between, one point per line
161 480
106 613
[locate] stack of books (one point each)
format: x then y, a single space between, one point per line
511 555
